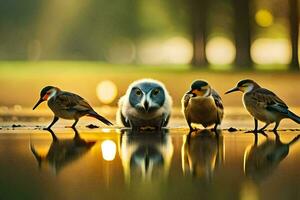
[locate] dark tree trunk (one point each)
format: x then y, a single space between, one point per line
294 33
198 10
242 34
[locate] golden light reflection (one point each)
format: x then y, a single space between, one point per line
107 91
220 51
109 150
175 50
105 130
271 51
249 191
264 18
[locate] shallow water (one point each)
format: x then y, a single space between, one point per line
110 164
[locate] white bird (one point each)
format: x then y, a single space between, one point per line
146 105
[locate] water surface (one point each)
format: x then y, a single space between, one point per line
110 164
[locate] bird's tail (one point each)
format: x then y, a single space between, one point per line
99 117
294 117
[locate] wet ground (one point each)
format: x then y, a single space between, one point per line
107 163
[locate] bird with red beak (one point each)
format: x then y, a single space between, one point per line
67 105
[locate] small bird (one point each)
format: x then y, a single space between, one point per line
67 105
263 104
146 105
202 105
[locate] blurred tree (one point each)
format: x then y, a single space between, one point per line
242 34
17 21
294 33
198 16
193 15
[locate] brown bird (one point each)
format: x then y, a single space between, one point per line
67 105
202 105
263 104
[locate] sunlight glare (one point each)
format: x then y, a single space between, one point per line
220 51
264 18
174 50
271 51
177 50
109 150
107 91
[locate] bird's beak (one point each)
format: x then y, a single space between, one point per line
146 105
38 103
191 93
232 90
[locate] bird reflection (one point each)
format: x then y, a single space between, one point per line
145 155
202 153
63 151
260 160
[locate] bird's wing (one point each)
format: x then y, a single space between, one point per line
218 99
166 121
219 104
124 121
269 100
185 100
69 100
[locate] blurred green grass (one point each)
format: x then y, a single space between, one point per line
21 82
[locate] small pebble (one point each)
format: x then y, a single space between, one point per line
231 129
16 125
91 126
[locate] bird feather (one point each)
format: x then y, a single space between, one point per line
267 99
70 100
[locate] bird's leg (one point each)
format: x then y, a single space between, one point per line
162 122
255 127
133 128
263 128
73 126
255 139
215 127
76 134
191 128
294 140
52 123
54 138
276 126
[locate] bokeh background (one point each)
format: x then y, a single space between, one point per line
97 47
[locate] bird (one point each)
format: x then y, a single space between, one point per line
146 105
263 105
202 105
67 105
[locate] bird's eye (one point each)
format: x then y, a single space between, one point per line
138 93
155 92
